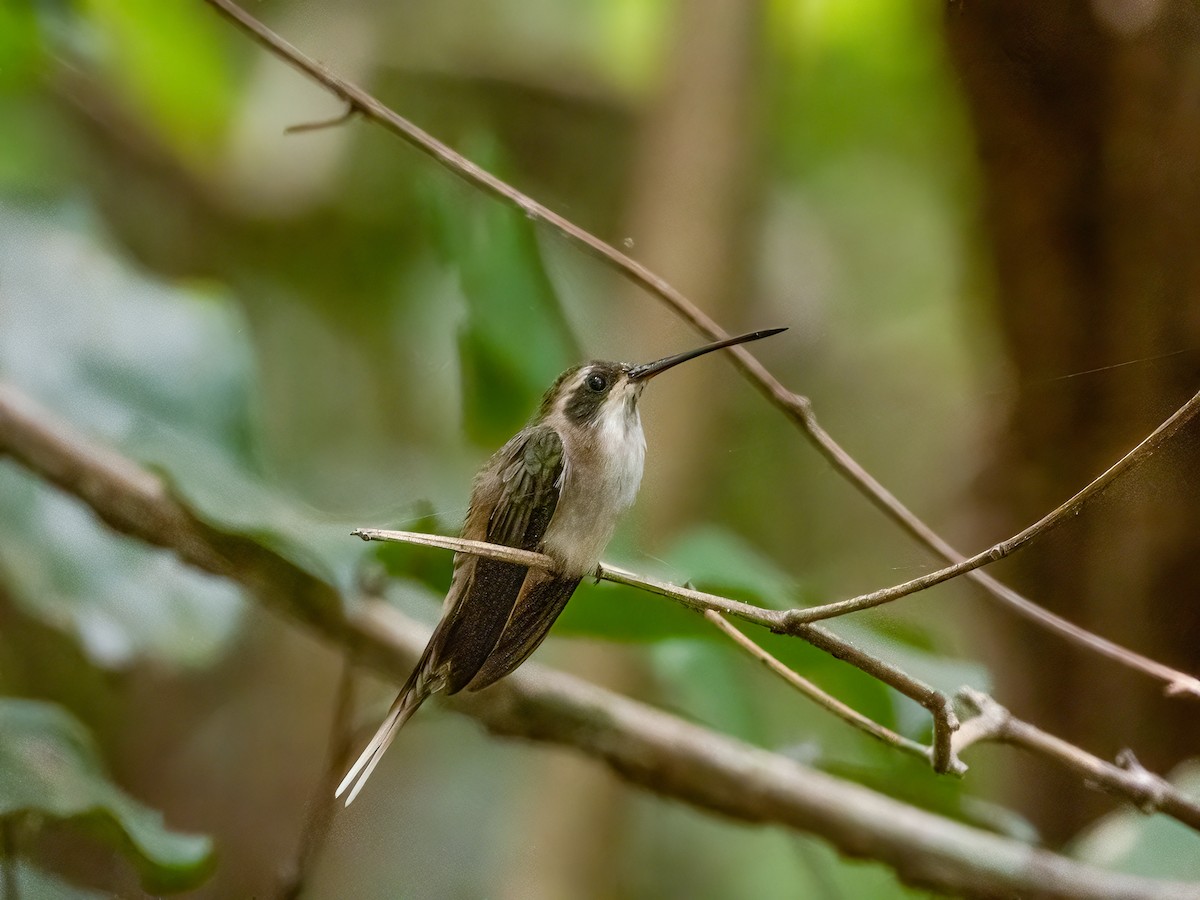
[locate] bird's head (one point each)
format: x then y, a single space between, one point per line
600 391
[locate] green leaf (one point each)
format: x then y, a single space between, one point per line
187 91
49 766
619 613
905 778
718 561
121 599
119 356
166 375
428 565
723 563
231 496
515 340
1151 845
713 559
114 350
34 154
20 46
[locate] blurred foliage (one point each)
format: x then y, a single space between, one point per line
34 884
119 599
305 334
188 92
50 769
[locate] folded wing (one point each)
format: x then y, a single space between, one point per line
499 607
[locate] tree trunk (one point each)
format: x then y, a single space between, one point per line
1087 117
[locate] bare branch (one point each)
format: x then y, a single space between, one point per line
1128 779
938 704
1007 547
322 805
796 408
644 746
689 597
811 691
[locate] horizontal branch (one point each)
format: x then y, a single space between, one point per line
797 408
699 601
646 747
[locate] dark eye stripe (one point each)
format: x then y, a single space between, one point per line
585 401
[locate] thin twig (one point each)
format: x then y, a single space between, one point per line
797 408
1145 448
811 691
1176 683
689 597
647 747
1127 779
321 805
935 702
340 119
692 598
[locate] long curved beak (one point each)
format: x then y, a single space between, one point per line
646 371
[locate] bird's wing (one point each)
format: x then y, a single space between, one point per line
491 619
529 476
543 596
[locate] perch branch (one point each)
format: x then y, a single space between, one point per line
935 702
797 408
991 722
647 747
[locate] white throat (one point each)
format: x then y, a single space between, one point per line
600 481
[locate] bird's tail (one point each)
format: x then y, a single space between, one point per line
411 696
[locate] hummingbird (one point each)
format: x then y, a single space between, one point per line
557 487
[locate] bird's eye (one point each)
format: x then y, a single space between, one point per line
597 382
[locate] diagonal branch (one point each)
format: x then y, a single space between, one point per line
321 806
796 408
646 747
1145 448
846 713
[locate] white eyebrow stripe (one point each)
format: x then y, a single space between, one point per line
560 404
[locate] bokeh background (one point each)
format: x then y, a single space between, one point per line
979 221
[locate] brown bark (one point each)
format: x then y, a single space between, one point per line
1087 117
